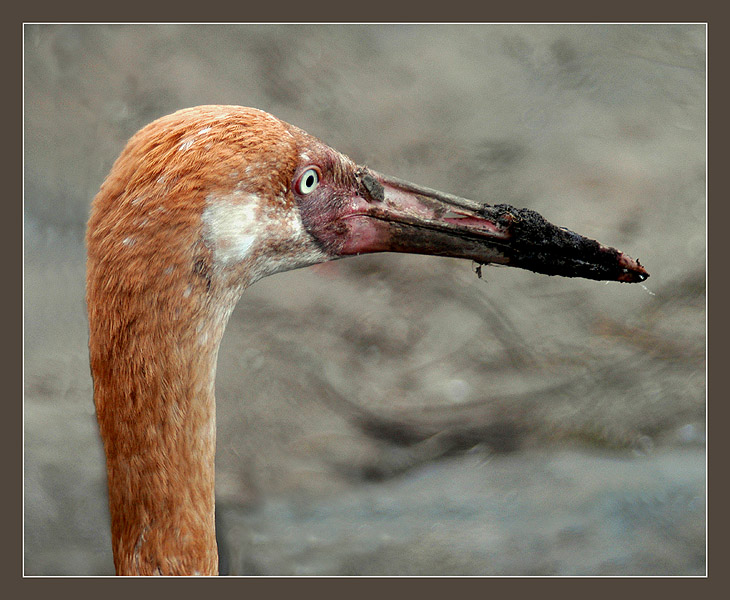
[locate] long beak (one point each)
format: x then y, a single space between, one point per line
397 216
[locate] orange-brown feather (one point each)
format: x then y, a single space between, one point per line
157 310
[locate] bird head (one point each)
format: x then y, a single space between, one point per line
241 195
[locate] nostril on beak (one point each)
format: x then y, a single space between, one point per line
373 187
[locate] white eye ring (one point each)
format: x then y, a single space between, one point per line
308 181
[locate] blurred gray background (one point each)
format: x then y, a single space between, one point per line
397 415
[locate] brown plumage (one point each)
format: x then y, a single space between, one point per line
199 205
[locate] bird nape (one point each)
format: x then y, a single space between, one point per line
199 205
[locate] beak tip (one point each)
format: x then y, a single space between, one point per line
633 270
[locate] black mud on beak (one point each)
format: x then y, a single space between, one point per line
390 215
538 245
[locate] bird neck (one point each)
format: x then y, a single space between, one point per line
153 357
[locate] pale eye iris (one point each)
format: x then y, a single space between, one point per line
308 182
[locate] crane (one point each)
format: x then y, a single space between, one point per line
201 204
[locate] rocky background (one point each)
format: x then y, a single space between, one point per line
397 415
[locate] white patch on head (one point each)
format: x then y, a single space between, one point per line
231 227
186 143
243 226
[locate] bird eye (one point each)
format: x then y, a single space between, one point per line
308 181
